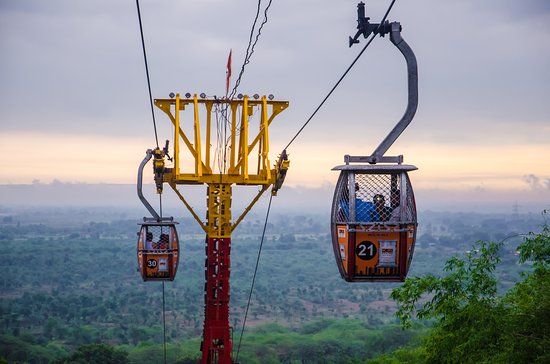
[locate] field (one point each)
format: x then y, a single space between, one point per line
69 278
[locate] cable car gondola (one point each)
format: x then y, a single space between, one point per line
158 249
373 222
158 243
373 217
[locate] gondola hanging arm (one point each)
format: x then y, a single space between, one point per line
365 28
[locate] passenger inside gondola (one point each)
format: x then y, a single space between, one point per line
383 211
163 242
149 241
396 206
365 211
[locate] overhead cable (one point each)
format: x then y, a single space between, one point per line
254 277
341 78
157 142
250 47
147 73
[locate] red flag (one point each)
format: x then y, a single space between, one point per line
228 73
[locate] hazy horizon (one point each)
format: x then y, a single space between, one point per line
297 199
74 104
76 122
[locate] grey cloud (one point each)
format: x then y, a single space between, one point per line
514 9
535 182
81 63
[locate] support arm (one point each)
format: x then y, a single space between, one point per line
412 71
366 28
146 203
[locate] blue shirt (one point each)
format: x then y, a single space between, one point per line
364 211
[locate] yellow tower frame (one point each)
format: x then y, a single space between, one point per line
239 170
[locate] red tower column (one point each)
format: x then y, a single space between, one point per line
217 345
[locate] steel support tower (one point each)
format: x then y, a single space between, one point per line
242 159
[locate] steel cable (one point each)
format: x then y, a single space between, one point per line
254 277
292 140
147 73
157 143
250 47
341 78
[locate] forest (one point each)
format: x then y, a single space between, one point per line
70 293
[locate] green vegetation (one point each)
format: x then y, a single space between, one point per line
325 341
95 354
70 290
472 323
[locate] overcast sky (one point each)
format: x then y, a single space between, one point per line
74 102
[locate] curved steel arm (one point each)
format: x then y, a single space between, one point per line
412 70
146 203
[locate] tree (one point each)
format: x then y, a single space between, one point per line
96 354
472 324
529 306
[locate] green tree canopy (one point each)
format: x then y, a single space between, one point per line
96 354
472 324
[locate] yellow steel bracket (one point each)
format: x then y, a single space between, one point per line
241 143
249 207
195 216
178 105
241 156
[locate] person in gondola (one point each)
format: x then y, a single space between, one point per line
149 241
365 211
384 212
396 206
163 242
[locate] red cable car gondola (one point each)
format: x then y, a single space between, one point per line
373 217
158 250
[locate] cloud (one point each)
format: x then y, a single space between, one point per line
513 10
77 68
90 70
537 183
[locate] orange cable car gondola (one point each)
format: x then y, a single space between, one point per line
158 249
373 222
158 243
373 217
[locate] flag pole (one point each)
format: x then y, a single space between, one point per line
228 73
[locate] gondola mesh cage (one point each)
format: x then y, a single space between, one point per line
159 236
379 198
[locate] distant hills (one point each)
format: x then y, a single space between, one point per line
125 195
294 199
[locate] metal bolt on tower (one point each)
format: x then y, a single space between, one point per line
247 163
